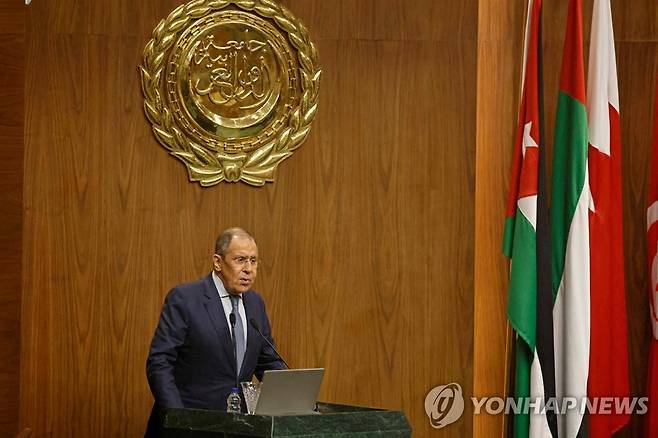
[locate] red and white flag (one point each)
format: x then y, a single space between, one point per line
608 361
652 256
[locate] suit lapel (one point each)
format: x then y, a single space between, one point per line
251 353
215 311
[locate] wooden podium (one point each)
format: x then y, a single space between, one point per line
331 421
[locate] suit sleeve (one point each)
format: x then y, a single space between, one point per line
267 359
169 336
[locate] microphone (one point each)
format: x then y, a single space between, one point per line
231 318
254 324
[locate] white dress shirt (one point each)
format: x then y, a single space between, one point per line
228 305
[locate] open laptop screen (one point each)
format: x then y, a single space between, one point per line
289 392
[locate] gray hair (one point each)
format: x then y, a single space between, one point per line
224 240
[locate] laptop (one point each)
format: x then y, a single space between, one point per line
289 392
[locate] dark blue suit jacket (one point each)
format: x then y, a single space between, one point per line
191 362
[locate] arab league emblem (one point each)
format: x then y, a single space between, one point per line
230 88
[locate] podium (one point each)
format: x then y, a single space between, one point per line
332 420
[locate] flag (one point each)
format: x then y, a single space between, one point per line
652 256
527 243
608 358
570 229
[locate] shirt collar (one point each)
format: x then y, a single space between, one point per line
220 286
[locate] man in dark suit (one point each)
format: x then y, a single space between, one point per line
193 362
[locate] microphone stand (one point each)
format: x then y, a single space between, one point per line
254 324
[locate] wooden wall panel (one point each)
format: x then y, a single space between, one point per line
500 42
12 45
389 19
638 67
366 237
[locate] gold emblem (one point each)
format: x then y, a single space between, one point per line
230 87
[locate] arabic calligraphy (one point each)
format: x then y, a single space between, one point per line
232 81
238 73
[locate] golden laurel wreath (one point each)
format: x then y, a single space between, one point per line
207 164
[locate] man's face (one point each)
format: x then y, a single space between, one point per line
237 268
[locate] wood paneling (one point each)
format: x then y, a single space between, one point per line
12 45
500 42
366 237
638 67
337 19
